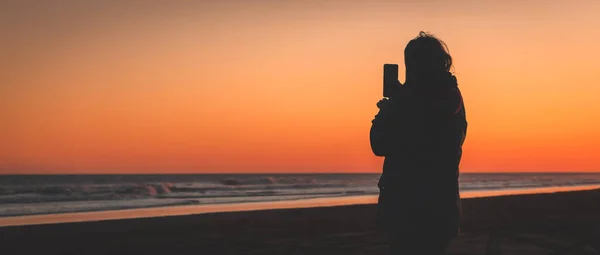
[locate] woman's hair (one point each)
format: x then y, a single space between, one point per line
426 57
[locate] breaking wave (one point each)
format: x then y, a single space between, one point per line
36 194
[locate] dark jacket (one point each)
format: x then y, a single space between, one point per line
421 138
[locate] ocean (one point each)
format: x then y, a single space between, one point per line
49 194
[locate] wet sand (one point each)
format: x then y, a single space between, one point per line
523 224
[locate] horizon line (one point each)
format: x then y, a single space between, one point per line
293 173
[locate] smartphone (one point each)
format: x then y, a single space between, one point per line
390 79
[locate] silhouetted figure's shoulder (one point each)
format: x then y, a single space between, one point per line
441 96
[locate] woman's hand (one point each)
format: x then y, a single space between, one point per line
385 104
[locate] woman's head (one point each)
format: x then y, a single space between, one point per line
426 56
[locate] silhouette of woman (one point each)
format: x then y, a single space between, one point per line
420 132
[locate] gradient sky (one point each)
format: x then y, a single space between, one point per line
285 86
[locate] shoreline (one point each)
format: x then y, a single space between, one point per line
522 224
182 210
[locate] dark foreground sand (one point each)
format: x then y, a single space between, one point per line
524 224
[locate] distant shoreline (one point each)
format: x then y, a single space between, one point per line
179 210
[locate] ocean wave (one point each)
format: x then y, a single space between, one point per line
27 194
247 187
68 193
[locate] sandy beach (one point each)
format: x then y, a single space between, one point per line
523 224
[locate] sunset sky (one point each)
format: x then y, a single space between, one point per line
285 86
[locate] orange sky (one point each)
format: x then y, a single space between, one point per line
285 86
